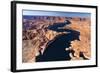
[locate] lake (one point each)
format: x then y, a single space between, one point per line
56 50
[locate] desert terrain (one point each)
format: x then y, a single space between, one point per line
38 33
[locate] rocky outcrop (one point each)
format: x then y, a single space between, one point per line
81 46
36 36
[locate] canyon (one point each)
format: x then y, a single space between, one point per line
40 31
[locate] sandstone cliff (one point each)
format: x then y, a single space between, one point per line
36 36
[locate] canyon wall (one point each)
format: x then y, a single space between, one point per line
36 36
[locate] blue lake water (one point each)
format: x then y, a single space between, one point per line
56 50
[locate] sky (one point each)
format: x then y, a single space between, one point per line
55 13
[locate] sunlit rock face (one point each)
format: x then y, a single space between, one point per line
37 42
83 44
36 36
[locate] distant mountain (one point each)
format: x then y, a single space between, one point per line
27 17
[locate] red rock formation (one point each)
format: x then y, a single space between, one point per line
82 46
36 37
